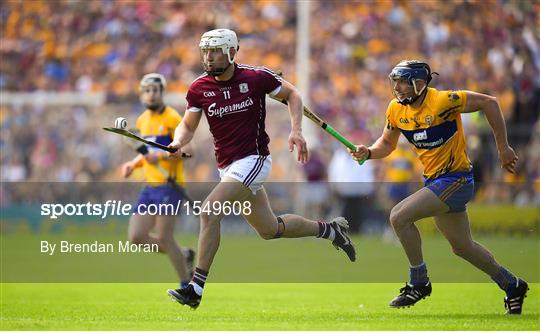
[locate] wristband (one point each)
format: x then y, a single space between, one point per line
368 154
142 150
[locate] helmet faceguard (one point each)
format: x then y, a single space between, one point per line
149 100
215 40
412 71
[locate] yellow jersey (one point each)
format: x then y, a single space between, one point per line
435 130
159 127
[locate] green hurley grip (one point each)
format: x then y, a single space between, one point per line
342 139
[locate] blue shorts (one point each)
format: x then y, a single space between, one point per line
164 194
454 189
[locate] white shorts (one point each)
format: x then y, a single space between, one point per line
252 171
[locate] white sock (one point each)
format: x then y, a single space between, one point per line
198 289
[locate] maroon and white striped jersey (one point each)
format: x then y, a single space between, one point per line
235 110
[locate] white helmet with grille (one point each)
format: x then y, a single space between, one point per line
223 39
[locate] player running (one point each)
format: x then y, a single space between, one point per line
232 97
164 177
431 122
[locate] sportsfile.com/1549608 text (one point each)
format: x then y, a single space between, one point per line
113 208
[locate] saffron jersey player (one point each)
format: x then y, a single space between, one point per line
431 122
232 97
164 177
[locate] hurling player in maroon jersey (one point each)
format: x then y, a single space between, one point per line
232 97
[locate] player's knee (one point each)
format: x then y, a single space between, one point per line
458 251
138 238
399 218
266 234
273 233
462 250
209 219
396 217
164 242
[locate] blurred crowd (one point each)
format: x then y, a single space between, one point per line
106 46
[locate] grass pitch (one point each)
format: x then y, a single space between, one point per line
297 285
259 307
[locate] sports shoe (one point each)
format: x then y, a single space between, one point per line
342 240
410 295
185 296
514 302
189 255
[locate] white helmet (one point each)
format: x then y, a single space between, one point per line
154 78
224 39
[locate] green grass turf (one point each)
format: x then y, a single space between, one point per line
259 307
288 290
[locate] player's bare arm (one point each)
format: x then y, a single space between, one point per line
492 110
382 147
128 167
154 157
289 93
183 134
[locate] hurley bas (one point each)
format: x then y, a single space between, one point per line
96 247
